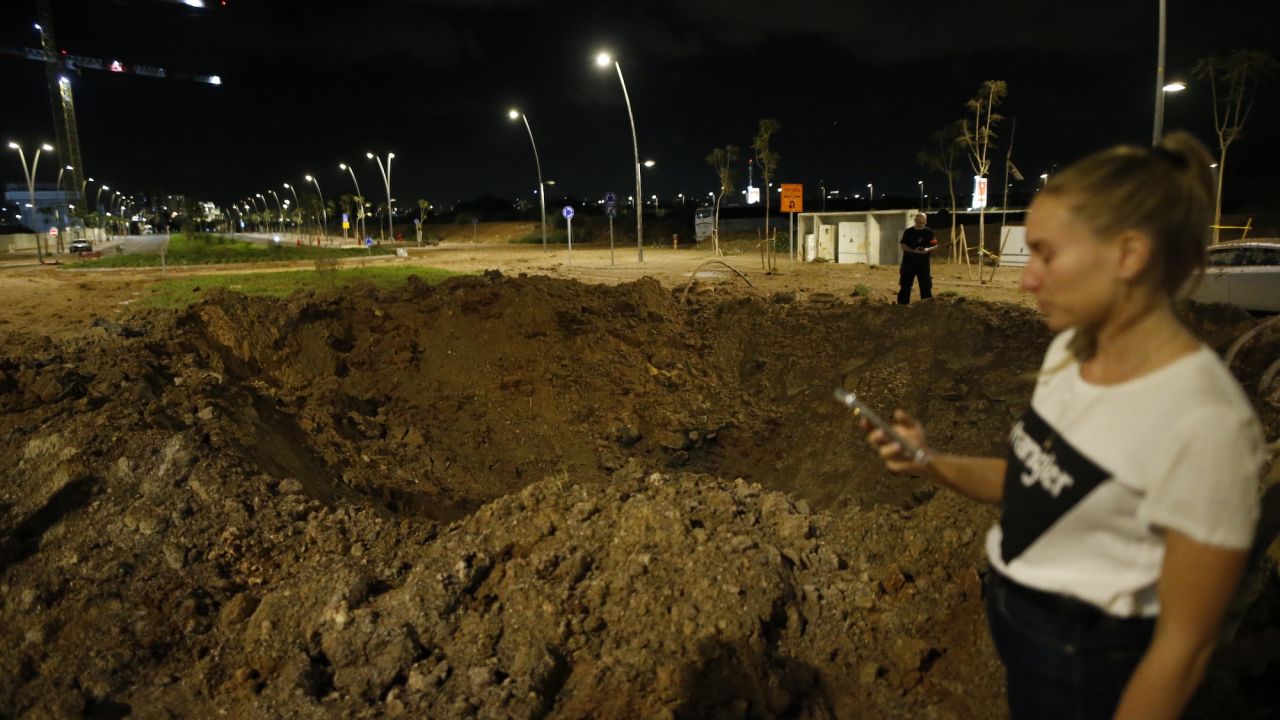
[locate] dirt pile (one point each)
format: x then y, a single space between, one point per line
508 497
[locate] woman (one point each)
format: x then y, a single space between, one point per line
1129 491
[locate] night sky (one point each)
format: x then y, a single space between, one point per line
858 88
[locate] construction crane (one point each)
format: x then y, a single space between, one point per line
58 63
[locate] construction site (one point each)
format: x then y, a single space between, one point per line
530 493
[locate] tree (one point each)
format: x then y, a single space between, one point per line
723 160
978 132
943 160
768 161
423 207
1234 84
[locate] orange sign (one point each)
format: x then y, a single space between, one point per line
792 198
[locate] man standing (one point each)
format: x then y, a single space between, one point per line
917 244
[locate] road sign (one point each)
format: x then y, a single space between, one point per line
53 231
567 212
979 192
792 197
610 199
368 241
611 211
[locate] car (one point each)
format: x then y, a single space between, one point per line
1242 273
80 246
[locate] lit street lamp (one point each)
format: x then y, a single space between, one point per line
30 173
603 59
261 213
871 195
386 181
542 189
297 204
360 209
324 213
920 183
279 208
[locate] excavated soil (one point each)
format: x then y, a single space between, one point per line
520 497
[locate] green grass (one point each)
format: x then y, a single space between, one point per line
554 237
181 292
205 249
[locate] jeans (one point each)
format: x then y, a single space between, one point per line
1064 658
914 266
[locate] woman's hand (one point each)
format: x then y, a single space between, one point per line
895 458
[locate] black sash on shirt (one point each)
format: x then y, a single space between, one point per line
1046 478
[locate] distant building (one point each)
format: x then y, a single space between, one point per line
52 206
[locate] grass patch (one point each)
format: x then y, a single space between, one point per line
554 237
181 292
209 249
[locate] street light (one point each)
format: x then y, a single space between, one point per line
31 185
360 209
297 204
324 213
542 189
279 207
386 181
871 195
602 60
920 183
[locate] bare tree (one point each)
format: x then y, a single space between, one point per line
943 160
768 160
1234 83
423 207
978 132
723 160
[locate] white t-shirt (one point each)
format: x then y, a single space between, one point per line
1096 472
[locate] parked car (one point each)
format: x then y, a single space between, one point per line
1245 273
80 246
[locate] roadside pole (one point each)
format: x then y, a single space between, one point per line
568 217
792 203
611 209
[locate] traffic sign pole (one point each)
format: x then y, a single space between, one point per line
611 209
567 212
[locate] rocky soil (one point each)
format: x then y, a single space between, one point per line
520 497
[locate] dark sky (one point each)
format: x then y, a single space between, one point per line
858 88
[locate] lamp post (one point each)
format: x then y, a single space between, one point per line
297 204
920 184
603 60
360 208
57 206
30 173
1158 124
279 208
386 181
324 214
871 195
542 189
261 213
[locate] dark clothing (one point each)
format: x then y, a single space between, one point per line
915 265
1065 658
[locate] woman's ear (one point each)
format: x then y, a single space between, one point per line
1136 248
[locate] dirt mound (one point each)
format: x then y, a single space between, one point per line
508 497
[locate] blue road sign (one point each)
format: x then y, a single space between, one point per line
368 241
610 199
567 212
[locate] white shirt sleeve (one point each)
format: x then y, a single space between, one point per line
1205 483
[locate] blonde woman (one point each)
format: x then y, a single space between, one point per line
1129 491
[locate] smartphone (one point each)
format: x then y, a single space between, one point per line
850 400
